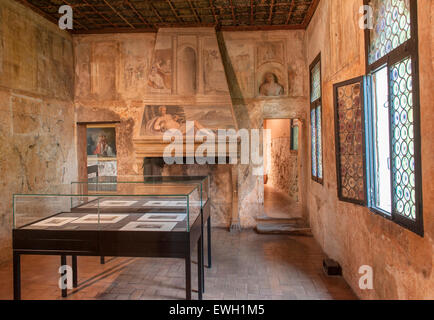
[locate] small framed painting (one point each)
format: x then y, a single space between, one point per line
101 142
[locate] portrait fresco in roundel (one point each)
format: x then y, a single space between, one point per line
270 86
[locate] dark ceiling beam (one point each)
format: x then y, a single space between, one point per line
193 10
156 12
141 17
237 14
75 20
211 4
115 30
222 28
310 13
39 11
188 25
262 27
241 6
98 13
258 5
252 15
233 12
119 14
270 19
174 11
291 11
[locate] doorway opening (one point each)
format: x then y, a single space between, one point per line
282 169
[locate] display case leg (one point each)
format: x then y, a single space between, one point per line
62 275
200 268
209 241
102 260
202 256
74 272
188 276
17 276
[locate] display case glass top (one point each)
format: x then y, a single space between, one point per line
151 206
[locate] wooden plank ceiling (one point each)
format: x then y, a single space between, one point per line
102 16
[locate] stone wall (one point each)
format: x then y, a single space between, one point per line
282 165
402 261
284 168
36 109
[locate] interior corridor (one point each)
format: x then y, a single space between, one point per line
278 205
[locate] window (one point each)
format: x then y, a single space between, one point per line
380 140
316 120
294 135
350 141
392 113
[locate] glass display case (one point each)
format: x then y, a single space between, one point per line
151 217
103 185
131 204
99 184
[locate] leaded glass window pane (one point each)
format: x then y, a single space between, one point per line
313 141
394 169
349 110
403 139
319 141
391 27
316 82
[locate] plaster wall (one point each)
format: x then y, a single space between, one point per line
402 262
36 109
280 161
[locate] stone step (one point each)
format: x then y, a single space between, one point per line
268 219
293 229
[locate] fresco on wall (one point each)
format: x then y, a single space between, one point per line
244 68
214 73
103 69
211 117
160 75
135 57
270 52
270 86
159 119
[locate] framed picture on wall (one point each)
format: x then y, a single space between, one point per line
101 142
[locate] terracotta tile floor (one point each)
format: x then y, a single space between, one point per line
245 266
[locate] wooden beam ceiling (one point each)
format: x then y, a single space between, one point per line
106 16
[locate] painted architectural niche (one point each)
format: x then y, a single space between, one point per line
261 67
271 77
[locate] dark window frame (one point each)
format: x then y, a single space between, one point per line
313 106
336 86
408 49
